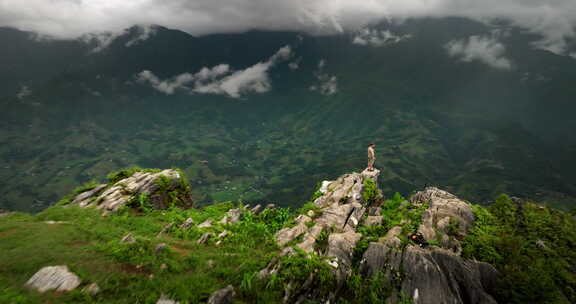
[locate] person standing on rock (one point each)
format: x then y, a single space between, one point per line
371 156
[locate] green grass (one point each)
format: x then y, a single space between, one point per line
507 234
90 245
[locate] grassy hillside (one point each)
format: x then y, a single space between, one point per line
531 245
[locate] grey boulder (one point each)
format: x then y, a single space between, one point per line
57 278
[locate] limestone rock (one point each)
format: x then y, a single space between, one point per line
373 211
440 276
128 239
233 216
222 296
57 278
162 247
223 234
85 198
341 248
256 209
391 238
445 209
310 239
285 235
55 222
165 300
324 188
4 212
433 274
270 206
187 224
110 198
204 238
381 257
374 220
206 224
341 210
166 228
92 289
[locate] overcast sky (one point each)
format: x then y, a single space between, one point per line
68 19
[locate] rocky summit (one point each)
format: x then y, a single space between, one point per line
138 238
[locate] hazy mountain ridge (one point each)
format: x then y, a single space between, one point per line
437 120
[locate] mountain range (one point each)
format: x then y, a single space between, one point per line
262 116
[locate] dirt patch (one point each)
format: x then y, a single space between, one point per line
8 232
181 251
134 269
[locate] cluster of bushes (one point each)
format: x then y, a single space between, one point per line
531 245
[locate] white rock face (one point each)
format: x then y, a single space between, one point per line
340 211
324 187
111 198
374 220
444 208
206 224
222 296
164 300
233 216
92 289
286 235
58 278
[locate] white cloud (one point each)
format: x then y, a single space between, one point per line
220 79
294 65
327 84
145 32
182 81
66 19
373 37
101 40
481 49
24 92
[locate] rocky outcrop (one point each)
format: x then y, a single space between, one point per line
128 239
222 296
187 224
153 187
373 220
4 212
233 216
447 218
165 300
286 235
206 224
57 278
341 208
92 289
440 276
427 274
433 275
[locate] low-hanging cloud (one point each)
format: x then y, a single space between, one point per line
483 49
66 19
220 80
327 84
374 37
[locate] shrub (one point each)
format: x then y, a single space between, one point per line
369 191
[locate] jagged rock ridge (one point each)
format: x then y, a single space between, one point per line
156 186
433 274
